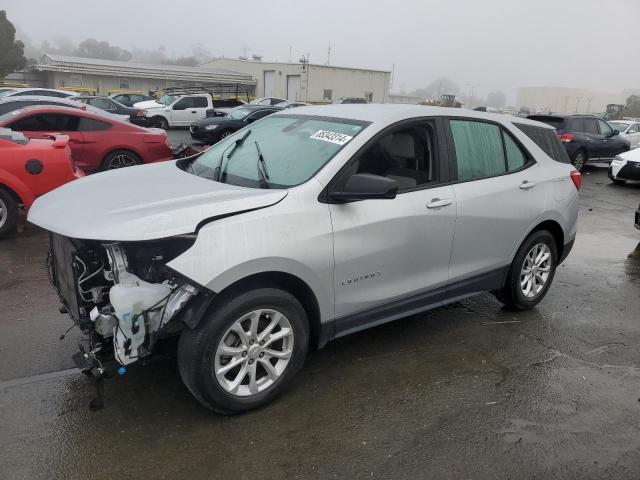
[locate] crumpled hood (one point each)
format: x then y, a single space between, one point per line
146 202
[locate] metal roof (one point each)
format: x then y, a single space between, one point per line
268 63
95 66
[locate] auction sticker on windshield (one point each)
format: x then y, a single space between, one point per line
333 137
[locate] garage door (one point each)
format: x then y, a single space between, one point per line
269 83
293 87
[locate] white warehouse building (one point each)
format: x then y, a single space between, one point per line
309 82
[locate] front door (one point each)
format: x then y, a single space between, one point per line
500 194
183 112
395 250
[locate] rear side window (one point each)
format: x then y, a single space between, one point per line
515 156
91 125
479 149
200 102
547 140
591 126
555 122
577 125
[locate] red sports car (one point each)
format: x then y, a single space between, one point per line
28 169
97 142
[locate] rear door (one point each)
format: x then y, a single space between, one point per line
499 195
593 138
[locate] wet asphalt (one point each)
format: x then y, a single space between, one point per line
470 391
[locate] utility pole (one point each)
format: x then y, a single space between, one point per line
472 87
329 55
578 100
589 104
290 53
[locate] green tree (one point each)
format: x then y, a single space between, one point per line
632 108
11 50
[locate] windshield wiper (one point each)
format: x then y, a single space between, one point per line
263 175
219 175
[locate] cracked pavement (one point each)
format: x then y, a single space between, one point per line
468 391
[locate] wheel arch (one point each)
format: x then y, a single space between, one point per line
18 190
550 225
127 148
285 281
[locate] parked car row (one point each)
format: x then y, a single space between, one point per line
586 138
30 168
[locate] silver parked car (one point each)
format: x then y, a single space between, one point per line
629 129
308 225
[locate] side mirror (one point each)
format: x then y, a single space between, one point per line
615 132
364 186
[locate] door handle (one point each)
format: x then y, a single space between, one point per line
193 111
526 185
437 203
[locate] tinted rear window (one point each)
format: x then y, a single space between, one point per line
555 122
547 140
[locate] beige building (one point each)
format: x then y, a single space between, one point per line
105 76
566 100
309 82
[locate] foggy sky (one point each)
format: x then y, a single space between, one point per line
495 44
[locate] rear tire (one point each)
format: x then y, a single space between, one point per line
579 160
120 159
8 213
262 366
531 272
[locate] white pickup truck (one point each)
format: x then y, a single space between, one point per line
176 110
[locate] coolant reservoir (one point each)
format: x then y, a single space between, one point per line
129 299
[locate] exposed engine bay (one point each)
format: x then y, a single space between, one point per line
120 293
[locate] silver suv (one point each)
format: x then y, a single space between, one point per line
303 227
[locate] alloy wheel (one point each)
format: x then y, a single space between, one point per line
254 352
535 270
578 161
120 161
4 213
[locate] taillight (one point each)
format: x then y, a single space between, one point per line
567 137
576 178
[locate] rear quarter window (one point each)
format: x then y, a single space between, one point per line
547 140
555 122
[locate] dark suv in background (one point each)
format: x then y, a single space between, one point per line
585 137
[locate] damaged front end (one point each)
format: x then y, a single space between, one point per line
121 295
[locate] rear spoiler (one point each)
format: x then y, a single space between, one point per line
59 140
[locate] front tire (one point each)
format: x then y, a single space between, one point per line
245 351
531 272
8 213
162 123
618 182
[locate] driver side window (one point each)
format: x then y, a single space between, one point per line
406 155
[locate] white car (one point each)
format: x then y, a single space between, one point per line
307 225
176 110
629 129
625 167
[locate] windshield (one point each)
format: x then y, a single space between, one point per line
6 91
256 101
239 113
295 148
621 127
166 99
